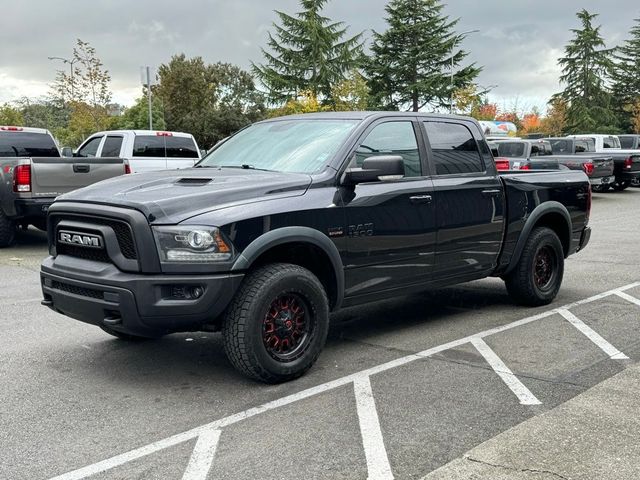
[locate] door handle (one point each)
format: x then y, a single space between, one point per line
491 193
80 168
421 199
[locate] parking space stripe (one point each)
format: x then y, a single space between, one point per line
628 298
137 453
523 393
592 335
378 466
202 456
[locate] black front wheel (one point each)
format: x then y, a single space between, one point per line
622 185
277 324
537 277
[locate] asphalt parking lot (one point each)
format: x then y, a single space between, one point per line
402 388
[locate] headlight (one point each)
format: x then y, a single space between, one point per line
192 244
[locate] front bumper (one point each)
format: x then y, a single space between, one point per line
143 305
602 180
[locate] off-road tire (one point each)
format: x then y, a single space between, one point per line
244 320
7 231
124 336
523 282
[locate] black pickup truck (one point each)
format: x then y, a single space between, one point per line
295 217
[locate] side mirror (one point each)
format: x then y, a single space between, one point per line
384 167
67 152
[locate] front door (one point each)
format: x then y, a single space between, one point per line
391 224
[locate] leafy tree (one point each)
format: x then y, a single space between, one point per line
531 123
10 115
307 102
208 101
308 52
626 76
585 67
471 101
351 94
411 61
136 117
555 122
485 111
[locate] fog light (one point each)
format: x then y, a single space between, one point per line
186 292
196 292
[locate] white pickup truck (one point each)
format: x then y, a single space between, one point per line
626 162
145 150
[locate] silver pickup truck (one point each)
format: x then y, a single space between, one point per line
33 174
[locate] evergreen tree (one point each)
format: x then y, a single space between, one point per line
309 53
626 76
411 62
586 67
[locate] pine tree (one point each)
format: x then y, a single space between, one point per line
626 77
586 68
411 61
309 53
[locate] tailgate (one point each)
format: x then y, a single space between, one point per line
635 164
55 176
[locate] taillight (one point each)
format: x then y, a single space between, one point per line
127 168
11 129
588 168
22 178
628 163
502 163
526 166
164 134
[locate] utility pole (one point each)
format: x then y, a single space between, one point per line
148 77
453 44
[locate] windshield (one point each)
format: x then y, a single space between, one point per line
301 146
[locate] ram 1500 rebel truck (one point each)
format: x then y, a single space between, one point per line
295 217
539 154
33 173
627 162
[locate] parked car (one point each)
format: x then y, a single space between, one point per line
538 154
33 173
145 150
627 162
294 217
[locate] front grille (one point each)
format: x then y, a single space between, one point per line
84 292
121 229
82 252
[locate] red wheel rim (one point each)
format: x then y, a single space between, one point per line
287 327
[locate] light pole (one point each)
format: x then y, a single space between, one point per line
453 44
70 62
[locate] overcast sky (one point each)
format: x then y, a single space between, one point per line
518 43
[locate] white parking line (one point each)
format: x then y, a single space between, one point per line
378 465
628 298
202 456
523 393
592 335
137 453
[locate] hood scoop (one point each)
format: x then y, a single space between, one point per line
195 181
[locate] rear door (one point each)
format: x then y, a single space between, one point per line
469 200
182 152
112 146
148 153
390 224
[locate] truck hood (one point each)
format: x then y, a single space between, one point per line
172 196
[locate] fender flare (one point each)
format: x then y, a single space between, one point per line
537 214
284 235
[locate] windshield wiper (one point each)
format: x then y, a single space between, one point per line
244 166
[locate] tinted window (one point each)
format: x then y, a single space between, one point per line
18 144
626 142
111 147
392 138
611 142
148 146
182 147
90 148
454 148
561 146
511 149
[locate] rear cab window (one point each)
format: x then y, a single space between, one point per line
181 147
149 146
454 148
511 149
610 142
27 144
112 146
